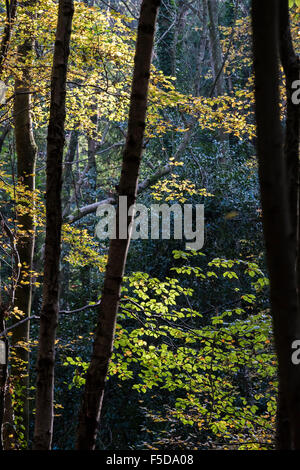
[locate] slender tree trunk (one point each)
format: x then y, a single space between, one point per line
203 17
278 232
11 9
68 184
49 314
5 133
3 376
215 46
26 150
9 438
68 172
216 55
166 52
104 336
166 27
92 165
291 65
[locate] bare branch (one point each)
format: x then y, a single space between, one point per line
86 307
4 332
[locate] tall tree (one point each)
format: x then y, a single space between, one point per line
26 150
291 66
215 46
11 9
3 372
104 336
290 63
217 61
277 220
92 165
50 307
166 26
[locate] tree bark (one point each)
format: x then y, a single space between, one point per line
219 86
215 46
3 377
4 134
9 438
11 9
290 63
91 185
49 314
291 66
26 150
104 336
68 172
278 232
166 27
203 41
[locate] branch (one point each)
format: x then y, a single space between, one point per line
91 208
4 332
166 32
154 178
36 317
86 307
86 210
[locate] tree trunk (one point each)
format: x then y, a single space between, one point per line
166 27
291 65
278 232
68 183
4 134
215 46
11 9
3 376
219 86
203 41
104 336
91 185
26 150
49 314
